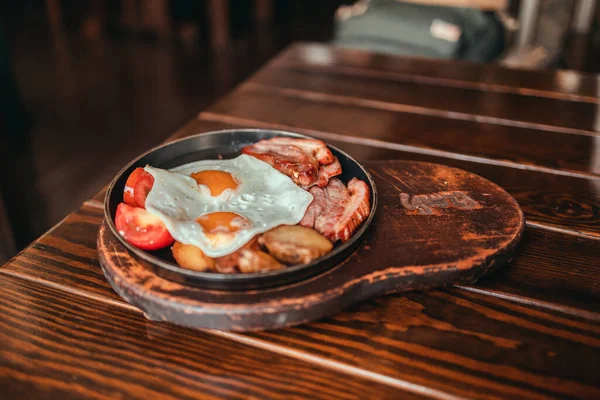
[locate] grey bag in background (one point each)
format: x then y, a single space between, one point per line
393 27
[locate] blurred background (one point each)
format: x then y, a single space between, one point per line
86 85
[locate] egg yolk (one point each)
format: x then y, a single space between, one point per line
222 222
216 181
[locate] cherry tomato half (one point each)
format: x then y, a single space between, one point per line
142 188
141 228
128 193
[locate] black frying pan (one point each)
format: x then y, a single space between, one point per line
228 144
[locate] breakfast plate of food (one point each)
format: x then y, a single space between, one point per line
254 229
252 210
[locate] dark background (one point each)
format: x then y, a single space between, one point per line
91 100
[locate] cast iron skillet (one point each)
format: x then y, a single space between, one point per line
228 144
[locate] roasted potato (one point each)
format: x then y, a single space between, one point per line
192 257
294 244
257 261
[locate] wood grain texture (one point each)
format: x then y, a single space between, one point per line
530 330
569 204
376 335
466 344
560 84
59 345
575 154
434 226
565 267
560 271
565 203
559 202
460 343
449 102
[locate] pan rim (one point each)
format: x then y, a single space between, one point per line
215 277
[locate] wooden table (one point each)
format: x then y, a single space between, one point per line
529 330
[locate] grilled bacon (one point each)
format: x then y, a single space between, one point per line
317 148
327 172
307 162
337 210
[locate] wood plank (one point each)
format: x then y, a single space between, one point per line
530 148
59 345
463 343
569 197
454 341
450 102
457 342
551 269
401 252
560 84
549 277
568 204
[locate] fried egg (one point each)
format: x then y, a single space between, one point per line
219 205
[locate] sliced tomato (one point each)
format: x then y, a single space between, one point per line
141 228
142 188
128 193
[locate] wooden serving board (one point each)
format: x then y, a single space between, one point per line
435 226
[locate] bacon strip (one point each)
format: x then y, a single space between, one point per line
302 167
315 207
317 148
327 172
337 211
307 162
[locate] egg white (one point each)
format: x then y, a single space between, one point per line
264 196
